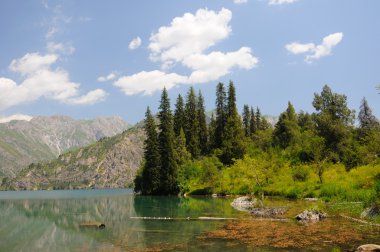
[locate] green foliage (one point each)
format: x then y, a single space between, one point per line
220 116
287 130
247 120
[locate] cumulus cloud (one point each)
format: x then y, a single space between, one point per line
240 1
189 34
149 82
135 43
109 77
278 2
53 47
41 81
209 67
16 117
316 51
184 42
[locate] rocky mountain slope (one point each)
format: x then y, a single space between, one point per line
111 162
44 138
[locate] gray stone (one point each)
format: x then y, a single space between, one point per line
244 203
311 216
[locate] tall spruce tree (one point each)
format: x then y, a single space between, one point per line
233 146
221 115
246 120
182 155
368 122
179 115
192 124
203 131
149 182
169 167
211 132
252 123
258 119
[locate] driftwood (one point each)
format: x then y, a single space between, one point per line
204 218
369 247
92 225
358 220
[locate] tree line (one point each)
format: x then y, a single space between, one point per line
327 135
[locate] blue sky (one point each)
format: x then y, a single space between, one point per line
101 58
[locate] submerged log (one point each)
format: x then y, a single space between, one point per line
93 225
369 247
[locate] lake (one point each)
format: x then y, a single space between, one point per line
62 221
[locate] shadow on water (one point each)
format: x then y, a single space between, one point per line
51 221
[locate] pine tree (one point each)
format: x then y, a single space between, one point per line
169 167
182 155
367 120
179 115
149 182
258 119
233 146
203 131
252 123
246 120
211 132
221 115
192 124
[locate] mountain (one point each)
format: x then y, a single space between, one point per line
112 162
46 137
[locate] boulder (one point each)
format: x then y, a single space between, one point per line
311 215
371 212
369 247
244 203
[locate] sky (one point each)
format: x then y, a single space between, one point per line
94 58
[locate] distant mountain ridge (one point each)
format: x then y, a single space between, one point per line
46 137
111 162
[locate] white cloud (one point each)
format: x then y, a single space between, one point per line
217 64
278 2
109 77
185 42
53 47
90 98
189 34
316 51
40 80
240 1
135 43
149 82
16 117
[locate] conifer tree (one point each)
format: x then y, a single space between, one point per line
179 115
246 120
221 115
169 167
233 146
287 130
211 132
203 131
192 124
367 120
149 182
252 123
182 155
258 118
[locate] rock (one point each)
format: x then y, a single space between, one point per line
268 212
371 212
311 215
244 203
369 247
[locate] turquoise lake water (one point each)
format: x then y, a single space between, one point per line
59 221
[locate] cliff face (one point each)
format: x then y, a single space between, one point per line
44 138
112 162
